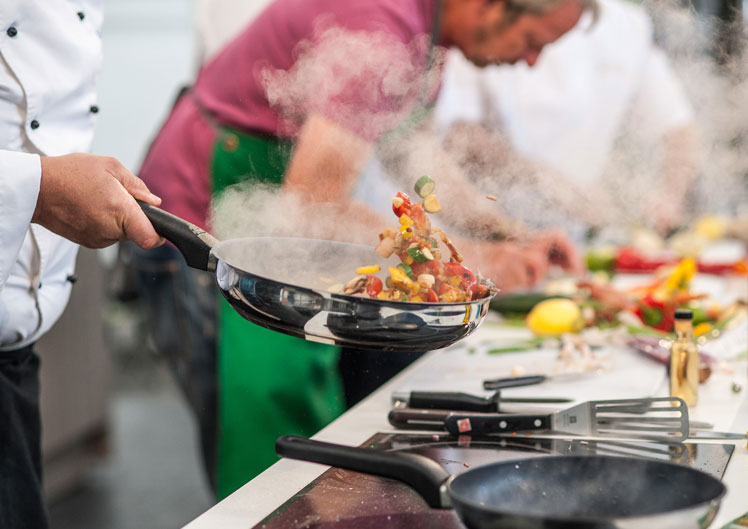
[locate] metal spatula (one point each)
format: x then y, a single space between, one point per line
663 419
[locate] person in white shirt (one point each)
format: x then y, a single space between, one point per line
599 121
52 196
599 131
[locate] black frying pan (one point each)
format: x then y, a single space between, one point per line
579 492
277 282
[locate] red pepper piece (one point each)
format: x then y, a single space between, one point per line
631 260
657 314
456 269
404 207
373 286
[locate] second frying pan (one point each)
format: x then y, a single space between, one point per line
560 492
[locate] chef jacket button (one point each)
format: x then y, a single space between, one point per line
93 109
12 31
72 278
81 15
34 124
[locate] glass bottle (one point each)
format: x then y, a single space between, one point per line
684 359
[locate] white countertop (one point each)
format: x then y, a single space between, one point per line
462 368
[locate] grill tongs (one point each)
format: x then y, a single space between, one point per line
661 418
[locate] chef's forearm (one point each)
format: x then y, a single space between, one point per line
325 164
326 161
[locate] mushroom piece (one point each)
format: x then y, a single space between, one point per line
355 285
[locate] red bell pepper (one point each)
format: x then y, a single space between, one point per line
631 260
657 314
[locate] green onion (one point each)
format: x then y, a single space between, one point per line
418 255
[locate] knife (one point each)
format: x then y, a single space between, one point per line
529 380
420 419
451 400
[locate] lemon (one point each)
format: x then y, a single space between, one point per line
554 317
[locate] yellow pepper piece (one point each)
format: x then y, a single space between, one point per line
368 270
401 279
701 329
398 277
405 221
680 278
450 296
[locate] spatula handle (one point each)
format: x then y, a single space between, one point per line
478 424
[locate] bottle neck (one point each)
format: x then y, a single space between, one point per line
683 329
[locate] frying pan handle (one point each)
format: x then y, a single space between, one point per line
194 242
477 424
423 474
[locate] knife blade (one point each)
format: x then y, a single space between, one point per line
458 401
529 380
716 435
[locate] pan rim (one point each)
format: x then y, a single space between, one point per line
220 247
459 501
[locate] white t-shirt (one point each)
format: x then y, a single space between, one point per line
568 110
50 56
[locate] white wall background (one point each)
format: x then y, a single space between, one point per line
149 52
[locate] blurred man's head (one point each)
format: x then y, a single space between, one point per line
508 31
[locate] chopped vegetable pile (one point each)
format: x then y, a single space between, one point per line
654 304
420 276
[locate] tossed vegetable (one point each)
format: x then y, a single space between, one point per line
420 276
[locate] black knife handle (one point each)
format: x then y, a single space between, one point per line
513 382
476 424
451 400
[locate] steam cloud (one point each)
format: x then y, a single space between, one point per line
340 75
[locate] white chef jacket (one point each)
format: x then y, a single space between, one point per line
50 57
568 110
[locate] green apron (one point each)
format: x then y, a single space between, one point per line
269 384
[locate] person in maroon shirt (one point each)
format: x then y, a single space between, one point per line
297 101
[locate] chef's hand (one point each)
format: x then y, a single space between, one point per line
558 250
90 200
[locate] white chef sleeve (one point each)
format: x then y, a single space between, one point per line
661 103
20 177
